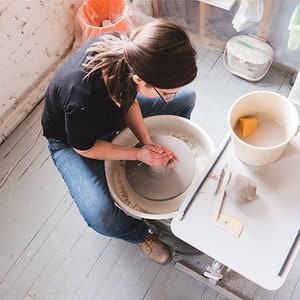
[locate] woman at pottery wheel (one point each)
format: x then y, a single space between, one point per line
113 81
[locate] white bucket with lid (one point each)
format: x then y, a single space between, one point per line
249 57
268 142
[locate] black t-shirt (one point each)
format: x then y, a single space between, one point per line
78 111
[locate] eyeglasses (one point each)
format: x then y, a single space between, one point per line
167 97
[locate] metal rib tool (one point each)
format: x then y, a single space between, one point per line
206 174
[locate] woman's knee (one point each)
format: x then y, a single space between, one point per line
187 96
184 102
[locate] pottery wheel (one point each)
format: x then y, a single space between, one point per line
163 183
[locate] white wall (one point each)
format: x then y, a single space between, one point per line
219 28
34 37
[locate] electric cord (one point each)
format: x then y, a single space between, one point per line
3 180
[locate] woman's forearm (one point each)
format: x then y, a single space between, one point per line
153 155
103 150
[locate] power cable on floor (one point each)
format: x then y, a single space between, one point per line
16 163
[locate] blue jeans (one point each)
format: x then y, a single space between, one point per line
87 183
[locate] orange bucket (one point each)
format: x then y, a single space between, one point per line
98 16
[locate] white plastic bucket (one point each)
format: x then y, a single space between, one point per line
263 102
294 28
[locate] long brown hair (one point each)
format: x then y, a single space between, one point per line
159 52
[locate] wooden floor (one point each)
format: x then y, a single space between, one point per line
48 252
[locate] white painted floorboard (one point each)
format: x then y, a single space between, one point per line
48 252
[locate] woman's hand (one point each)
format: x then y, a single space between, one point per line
156 155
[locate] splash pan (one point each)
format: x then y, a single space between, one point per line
163 182
200 146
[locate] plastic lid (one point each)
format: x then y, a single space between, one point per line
294 27
295 19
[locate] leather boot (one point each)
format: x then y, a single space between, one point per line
156 249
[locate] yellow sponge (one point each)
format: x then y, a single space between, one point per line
248 125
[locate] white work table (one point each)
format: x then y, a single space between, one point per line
271 221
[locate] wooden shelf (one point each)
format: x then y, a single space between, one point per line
225 4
